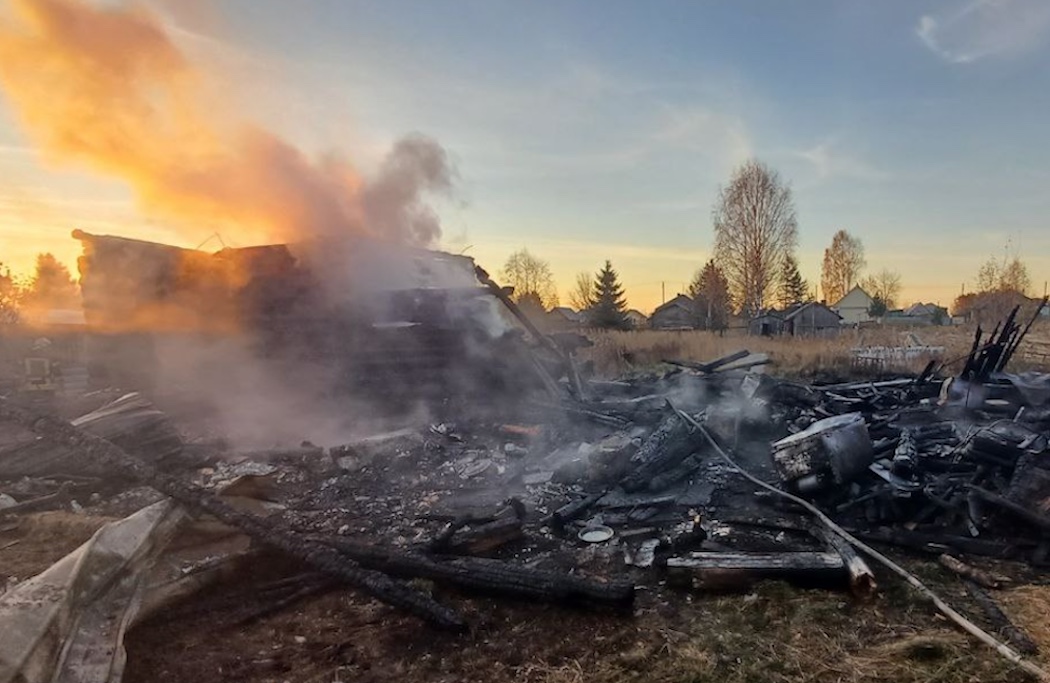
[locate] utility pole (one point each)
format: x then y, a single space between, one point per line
663 292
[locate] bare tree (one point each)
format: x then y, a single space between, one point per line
843 261
1008 275
755 230
581 297
883 286
531 278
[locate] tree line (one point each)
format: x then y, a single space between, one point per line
754 265
600 298
51 286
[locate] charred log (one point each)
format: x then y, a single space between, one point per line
938 544
570 512
489 576
671 443
724 570
861 579
480 539
1041 521
978 576
1021 640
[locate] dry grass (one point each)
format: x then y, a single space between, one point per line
775 633
618 353
1029 608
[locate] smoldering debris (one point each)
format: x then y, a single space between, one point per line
581 498
319 340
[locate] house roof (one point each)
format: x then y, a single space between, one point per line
680 301
635 313
792 311
567 313
922 309
855 298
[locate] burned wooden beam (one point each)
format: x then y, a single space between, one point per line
940 543
489 576
978 576
107 456
1017 637
541 338
712 365
665 448
571 511
684 469
480 539
862 582
1041 521
722 570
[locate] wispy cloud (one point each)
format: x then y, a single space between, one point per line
705 130
830 161
17 151
986 28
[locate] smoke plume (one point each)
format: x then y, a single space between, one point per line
107 88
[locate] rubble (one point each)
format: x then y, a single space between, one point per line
583 491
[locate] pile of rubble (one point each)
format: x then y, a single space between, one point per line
584 492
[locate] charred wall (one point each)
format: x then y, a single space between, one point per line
390 322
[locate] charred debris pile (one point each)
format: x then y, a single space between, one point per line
581 490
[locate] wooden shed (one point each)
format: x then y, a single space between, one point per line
677 314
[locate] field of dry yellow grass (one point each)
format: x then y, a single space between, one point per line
616 353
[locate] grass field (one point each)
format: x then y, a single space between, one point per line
616 353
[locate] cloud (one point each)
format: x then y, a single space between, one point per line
986 28
17 151
830 162
705 130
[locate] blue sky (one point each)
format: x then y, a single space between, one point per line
593 130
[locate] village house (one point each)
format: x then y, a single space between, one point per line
677 314
918 314
811 319
637 319
853 308
563 318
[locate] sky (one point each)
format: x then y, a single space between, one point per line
587 130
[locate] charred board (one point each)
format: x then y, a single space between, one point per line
664 450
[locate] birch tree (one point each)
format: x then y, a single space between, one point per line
843 262
756 229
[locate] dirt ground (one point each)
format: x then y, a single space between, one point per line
771 632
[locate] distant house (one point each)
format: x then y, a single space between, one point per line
811 319
637 319
928 314
677 314
853 308
562 318
987 308
918 315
